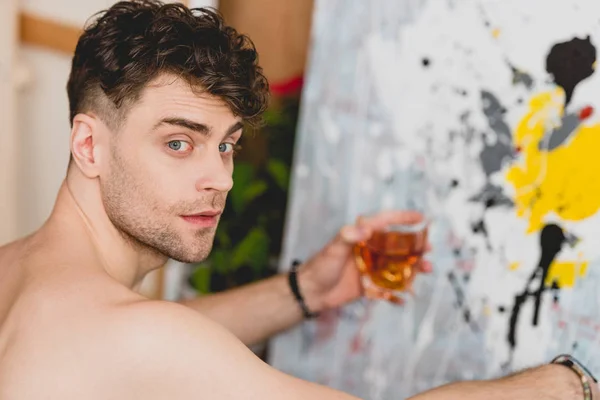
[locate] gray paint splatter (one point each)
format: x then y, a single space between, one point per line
500 150
520 77
496 152
469 132
492 195
559 135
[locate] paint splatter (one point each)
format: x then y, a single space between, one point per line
558 136
552 238
542 183
492 196
586 112
461 303
498 151
520 77
570 63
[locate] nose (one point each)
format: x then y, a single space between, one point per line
215 174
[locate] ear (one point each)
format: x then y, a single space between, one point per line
84 143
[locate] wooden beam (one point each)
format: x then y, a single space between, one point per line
49 34
38 31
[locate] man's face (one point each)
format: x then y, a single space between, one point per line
170 170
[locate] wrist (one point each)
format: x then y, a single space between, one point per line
313 296
570 381
548 381
587 381
557 381
301 288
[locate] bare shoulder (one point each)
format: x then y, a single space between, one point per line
174 352
187 353
169 328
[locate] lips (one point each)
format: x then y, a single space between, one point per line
207 218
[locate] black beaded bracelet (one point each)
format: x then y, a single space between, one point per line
293 280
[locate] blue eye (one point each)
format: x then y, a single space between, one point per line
178 145
226 147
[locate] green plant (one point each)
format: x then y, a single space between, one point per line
248 240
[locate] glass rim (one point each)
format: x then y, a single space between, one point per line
408 226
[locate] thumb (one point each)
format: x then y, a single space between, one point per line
353 234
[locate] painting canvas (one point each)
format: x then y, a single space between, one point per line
501 101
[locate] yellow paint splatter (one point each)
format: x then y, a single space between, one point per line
564 181
583 268
495 33
565 273
513 266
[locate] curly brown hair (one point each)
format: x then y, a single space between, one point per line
131 43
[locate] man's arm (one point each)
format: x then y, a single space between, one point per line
547 382
255 312
328 280
172 352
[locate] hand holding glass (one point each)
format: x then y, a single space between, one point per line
391 257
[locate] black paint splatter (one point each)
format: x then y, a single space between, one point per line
570 63
552 238
461 92
491 202
479 227
492 196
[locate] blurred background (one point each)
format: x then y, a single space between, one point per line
497 100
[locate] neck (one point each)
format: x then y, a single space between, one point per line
79 209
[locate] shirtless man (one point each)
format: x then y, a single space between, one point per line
157 100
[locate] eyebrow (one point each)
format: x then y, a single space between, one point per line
200 128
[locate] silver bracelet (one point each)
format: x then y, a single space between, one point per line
584 374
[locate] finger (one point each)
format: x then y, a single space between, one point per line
371 292
375 293
349 235
354 234
392 298
360 220
425 267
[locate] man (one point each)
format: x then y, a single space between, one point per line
158 96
